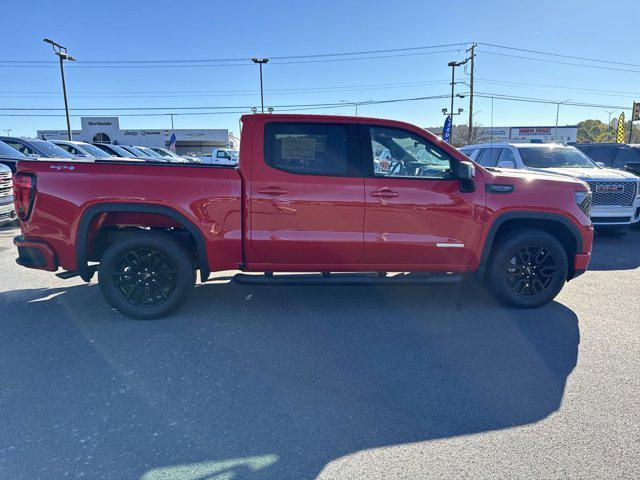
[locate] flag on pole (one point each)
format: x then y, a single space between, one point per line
620 133
446 130
172 142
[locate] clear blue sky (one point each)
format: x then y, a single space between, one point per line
162 30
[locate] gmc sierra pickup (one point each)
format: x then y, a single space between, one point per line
310 194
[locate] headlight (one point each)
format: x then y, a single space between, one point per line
583 200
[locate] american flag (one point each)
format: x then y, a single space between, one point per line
172 142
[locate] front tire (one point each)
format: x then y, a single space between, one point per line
527 268
146 276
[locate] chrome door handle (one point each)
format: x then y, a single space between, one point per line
385 193
272 191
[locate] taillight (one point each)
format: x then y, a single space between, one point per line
24 194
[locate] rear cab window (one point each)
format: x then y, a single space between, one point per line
312 148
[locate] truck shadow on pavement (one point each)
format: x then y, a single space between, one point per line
264 382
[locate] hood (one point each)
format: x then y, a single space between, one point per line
589 174
508 175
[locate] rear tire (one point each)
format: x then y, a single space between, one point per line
146 276
527 268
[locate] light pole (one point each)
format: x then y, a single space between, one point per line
261 61
555 133
356 104
453 66
62 54
7 130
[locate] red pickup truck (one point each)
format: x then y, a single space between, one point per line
323 194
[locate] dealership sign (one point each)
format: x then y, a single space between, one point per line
533 131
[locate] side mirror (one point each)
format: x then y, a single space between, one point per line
506 164
601 165
466 173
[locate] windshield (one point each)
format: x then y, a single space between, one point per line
149 152
165 153
93 150
50 149
555 157
135 151
8 151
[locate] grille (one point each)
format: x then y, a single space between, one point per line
623 198
6 188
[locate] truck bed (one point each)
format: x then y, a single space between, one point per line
66 207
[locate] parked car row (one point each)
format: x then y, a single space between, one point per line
13 149
615 191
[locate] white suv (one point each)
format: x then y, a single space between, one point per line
616 194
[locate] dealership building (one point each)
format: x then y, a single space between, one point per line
107 130
516 134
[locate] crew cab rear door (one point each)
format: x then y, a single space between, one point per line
416 215
306 196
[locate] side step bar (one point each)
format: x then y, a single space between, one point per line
303 279
66 275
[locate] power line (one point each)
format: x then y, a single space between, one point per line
84 65
546 60
248 58
206 93
560 55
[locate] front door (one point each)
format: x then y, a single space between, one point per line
415 214
306 197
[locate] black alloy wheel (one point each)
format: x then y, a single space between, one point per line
531 271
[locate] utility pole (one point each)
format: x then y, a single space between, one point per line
261 61
8 130
555 134
471 57
62 54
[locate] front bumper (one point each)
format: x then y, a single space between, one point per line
7 212
35 254
615 216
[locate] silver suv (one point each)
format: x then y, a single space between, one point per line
616 193
7 212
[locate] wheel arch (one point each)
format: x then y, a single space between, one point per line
84 225
555 224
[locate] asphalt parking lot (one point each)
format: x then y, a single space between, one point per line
329 382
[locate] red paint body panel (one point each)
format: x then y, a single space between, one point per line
313 223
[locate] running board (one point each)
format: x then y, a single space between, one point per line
91 269
303 279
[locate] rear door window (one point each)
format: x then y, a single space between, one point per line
310 149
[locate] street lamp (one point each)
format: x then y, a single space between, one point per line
8 130
261 61
356 104
555 134
62 54
453 66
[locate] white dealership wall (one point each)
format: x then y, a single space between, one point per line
527 134
107 129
